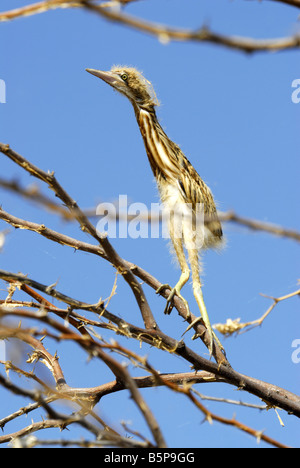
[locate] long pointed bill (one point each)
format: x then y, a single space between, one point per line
109 77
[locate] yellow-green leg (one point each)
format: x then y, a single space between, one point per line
197 290
184 277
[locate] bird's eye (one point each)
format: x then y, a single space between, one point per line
124 76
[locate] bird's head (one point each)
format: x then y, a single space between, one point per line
130 82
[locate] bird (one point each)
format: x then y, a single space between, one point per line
188 202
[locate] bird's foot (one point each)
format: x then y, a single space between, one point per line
162 287
170 301
168 308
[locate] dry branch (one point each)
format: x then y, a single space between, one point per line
179 383
47 5
164 34
271 394
235 326
167 34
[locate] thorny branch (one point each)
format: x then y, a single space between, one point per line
81 397
110 11
76 327
274 395
180 383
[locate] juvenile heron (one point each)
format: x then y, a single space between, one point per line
186 198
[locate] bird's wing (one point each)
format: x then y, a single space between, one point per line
194 191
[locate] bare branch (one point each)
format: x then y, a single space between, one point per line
164 33
167 34
47 5
257 225
234 326
271 394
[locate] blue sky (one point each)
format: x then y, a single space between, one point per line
233 116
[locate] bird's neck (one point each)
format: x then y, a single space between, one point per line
159 148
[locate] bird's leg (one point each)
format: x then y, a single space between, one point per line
197 290
184 277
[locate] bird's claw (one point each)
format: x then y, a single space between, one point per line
169 305
162 287
174 292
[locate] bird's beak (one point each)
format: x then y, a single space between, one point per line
109 77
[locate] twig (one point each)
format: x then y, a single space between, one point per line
50 290
35 8
40 352
235 326
121 442
58 421
47 5
257 225
230 402
209 416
